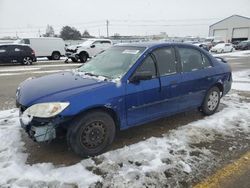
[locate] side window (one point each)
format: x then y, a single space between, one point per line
2 49
191 59
26 41
97 43
206 61
148 65
17 49
165 58
106 42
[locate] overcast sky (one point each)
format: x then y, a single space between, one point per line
127 17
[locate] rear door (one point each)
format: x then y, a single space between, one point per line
143 98
18 53
197 76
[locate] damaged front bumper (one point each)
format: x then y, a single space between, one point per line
42 129
72 55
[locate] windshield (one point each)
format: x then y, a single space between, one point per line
87 43
18 41
113 63
243 43
220 45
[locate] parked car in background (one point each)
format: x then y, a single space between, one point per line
203 46
222 47
87 49
244 45
215 42
16 53
125 86
50 47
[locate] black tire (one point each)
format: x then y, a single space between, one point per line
83 57
74 60
49 58
91 134
211 101
56 56
27 60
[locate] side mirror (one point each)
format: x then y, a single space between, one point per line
92 46
138 76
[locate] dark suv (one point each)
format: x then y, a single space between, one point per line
16 53
244 45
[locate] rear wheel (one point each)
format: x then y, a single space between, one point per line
211 101
27 61
55 56
91 134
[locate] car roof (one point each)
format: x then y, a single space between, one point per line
97 39
153 44
12 44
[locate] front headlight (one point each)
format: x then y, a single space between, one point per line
46 110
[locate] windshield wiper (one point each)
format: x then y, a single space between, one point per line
90 74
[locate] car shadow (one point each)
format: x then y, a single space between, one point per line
58 153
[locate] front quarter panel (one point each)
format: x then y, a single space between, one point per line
110 96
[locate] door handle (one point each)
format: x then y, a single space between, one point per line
173 82
209 78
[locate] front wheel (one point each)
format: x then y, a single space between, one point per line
74 60
211 101
91 134
83 57
27 61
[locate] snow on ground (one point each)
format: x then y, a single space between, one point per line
241 80
156 161
245 53
36 67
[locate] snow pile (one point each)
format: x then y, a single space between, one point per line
245 53
87 76
241 80
13 170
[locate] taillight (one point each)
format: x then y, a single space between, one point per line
33 52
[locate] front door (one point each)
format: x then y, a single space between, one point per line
170 79
142 98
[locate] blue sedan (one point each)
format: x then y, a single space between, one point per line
125 86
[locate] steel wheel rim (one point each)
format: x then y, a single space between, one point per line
213 100
93 135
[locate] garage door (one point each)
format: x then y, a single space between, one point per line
222 33
241 32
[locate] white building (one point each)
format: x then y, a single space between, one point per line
233 28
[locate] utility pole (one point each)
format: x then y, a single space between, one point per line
107 25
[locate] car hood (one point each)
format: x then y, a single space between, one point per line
56 87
